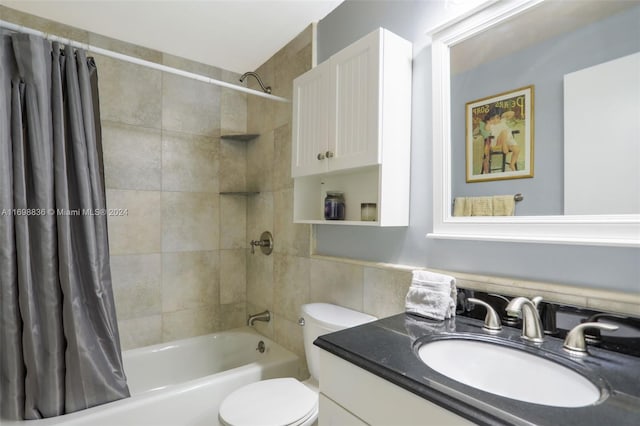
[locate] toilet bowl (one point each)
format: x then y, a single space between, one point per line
287 401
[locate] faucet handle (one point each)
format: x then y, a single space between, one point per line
491 320
265 243
575 341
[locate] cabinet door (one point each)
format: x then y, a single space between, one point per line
370 397
331 414
355 120
310 121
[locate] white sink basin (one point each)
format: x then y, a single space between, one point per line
508 372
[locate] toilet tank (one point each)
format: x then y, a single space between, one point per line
324 318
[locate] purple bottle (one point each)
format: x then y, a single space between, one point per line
334 208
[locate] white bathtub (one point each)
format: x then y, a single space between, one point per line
183 382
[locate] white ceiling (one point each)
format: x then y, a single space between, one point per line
236 35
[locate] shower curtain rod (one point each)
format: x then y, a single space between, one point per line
22 29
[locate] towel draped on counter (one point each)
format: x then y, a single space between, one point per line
432 295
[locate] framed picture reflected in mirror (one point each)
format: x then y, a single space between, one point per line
499 136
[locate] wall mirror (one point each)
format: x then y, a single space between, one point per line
582 63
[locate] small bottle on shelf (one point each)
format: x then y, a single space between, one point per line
368 212
334 207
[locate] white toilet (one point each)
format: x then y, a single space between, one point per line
288 402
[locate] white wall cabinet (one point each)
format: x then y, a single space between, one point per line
336 105
311 122
359 396
352 131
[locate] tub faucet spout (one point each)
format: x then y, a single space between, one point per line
262 316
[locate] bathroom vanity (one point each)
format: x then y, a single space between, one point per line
374 374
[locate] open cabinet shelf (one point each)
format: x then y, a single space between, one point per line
361 185
341 222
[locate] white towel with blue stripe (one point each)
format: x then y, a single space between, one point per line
432 295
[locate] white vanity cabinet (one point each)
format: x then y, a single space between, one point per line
335 415
350 395
352 131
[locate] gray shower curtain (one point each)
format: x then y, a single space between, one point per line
59 342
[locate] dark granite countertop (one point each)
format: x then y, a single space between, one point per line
388 349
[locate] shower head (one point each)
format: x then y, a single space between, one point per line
266 89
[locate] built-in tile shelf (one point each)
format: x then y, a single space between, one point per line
242 137
244 193
340 222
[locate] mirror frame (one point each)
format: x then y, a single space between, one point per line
598 230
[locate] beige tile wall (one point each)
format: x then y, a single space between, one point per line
291 277
178 257
279 282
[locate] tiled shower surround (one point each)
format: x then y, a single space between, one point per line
178 256
180 259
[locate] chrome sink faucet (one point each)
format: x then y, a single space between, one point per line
531 325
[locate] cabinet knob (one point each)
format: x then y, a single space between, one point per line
329 154
320 156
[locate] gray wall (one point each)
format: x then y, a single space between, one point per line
544 66
595 267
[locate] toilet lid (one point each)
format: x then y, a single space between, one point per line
275 402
